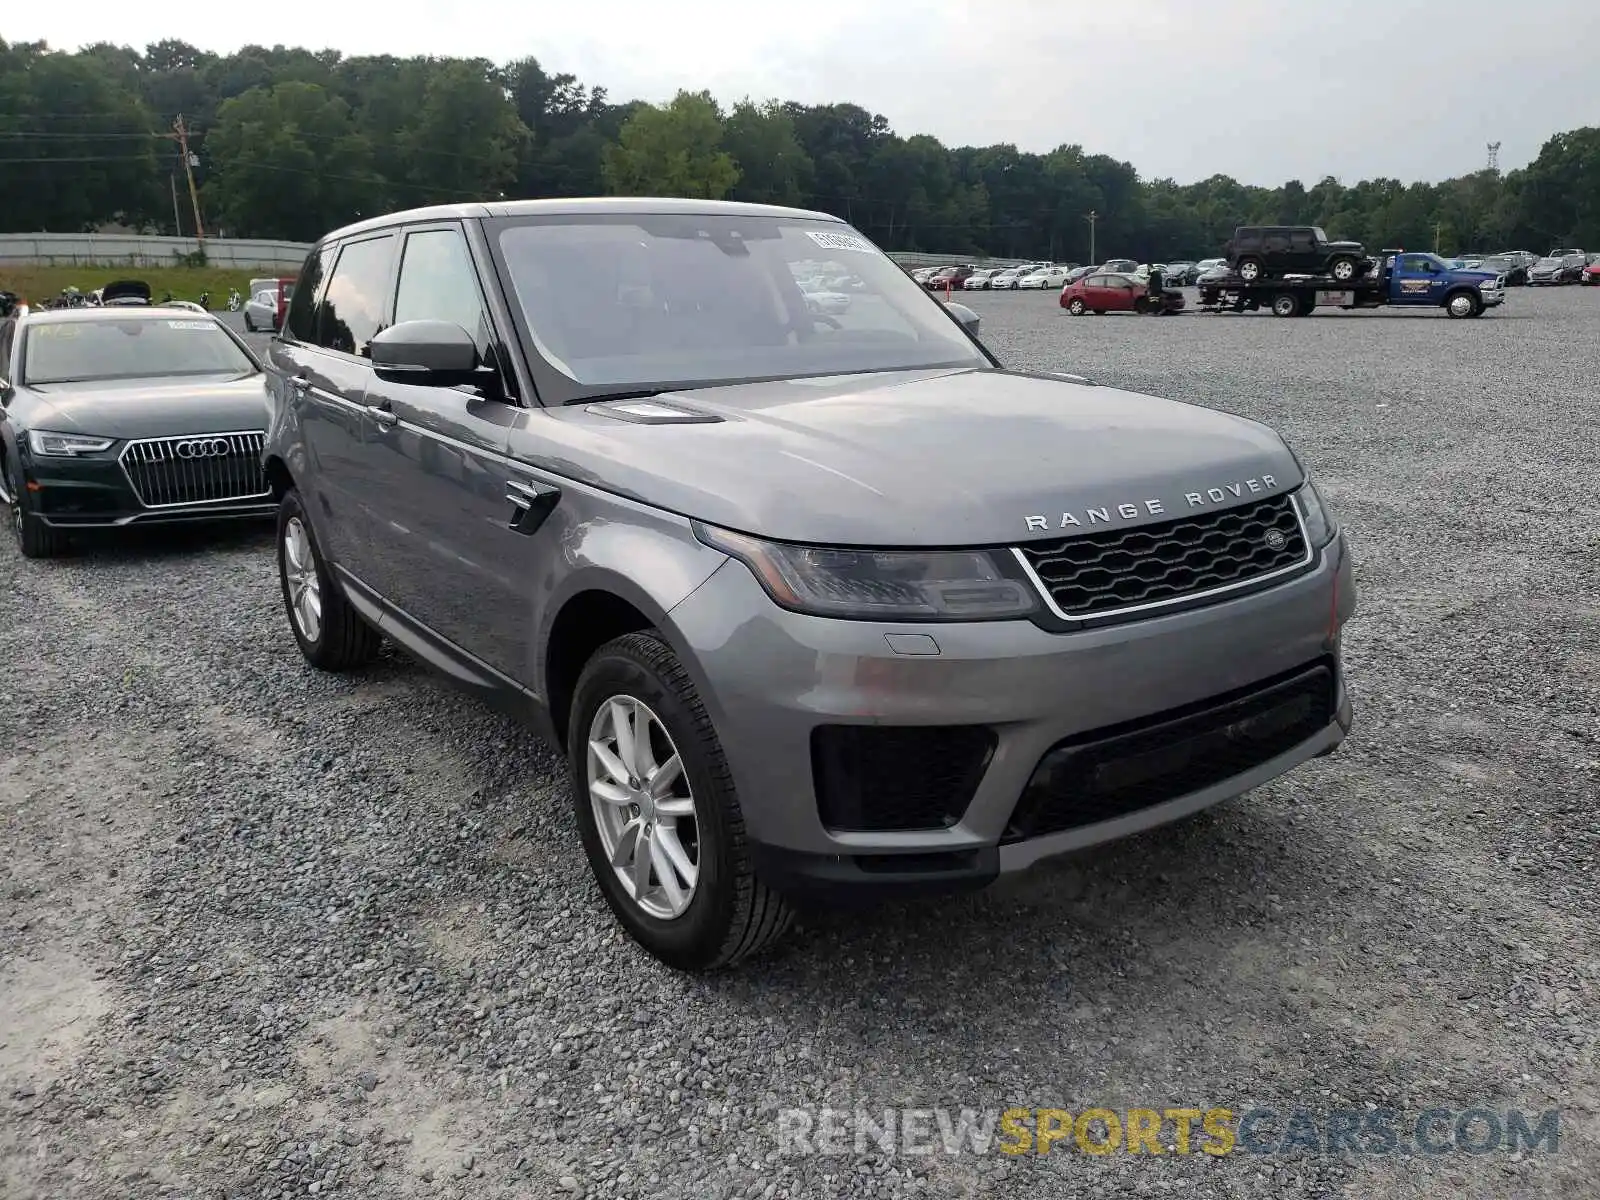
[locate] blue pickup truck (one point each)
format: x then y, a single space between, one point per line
1399 278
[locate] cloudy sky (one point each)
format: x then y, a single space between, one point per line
1264 90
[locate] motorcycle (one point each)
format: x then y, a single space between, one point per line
235 301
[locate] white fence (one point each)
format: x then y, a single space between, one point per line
135 250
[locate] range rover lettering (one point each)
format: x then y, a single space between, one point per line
818 607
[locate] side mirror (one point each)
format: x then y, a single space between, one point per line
969 319
427 353
6 391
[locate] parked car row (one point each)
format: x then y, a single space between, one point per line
1559 267
1268 252
697 557
1024 277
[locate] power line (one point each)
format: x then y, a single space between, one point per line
82 158
32 135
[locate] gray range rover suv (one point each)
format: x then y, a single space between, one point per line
818 601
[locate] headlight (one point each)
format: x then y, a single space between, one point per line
1314 511
65 445
934 585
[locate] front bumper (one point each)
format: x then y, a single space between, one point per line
772 679
94 492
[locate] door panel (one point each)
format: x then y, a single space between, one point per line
435 456
328 390
441 518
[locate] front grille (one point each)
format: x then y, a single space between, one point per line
878 777
196 468
1113 772
1122 570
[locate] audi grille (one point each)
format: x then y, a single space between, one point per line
197 468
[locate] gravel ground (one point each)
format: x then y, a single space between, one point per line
268 933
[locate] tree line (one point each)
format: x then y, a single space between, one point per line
289 143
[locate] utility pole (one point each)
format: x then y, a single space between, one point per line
177 221
1091 218
180 133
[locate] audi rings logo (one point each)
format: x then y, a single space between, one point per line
203 448
1275 539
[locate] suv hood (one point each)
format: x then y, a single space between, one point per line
924 458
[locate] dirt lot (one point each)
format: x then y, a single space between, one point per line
268 933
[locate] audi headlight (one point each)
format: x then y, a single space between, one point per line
932 585
65 445
1314 511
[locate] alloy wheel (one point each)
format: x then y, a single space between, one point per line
643 807
300 572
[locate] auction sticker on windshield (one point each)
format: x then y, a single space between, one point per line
842 241
188 324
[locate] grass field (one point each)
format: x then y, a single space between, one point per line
35 284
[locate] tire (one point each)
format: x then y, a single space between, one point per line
249 325
339 639
1077 307
35 539
1462 304
727 914
1250 269
1286 304
1343 268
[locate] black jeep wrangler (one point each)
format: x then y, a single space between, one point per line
1270 251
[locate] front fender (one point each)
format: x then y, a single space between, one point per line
649 559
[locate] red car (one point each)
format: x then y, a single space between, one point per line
1105 293
1591 273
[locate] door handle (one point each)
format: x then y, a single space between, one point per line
383 415
530 504
299 383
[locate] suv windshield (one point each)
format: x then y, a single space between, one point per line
129 348
644 302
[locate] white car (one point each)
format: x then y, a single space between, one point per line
827 303
1007 279
979 280
1044 277
261 311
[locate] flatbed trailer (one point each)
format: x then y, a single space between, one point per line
1400 280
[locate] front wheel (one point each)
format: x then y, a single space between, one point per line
331 634
1250 269
1286 304
658 814
35 539
1463 304
249 325
1077 308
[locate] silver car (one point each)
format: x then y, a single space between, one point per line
261 311
814 609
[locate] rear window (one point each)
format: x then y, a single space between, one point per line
139 348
